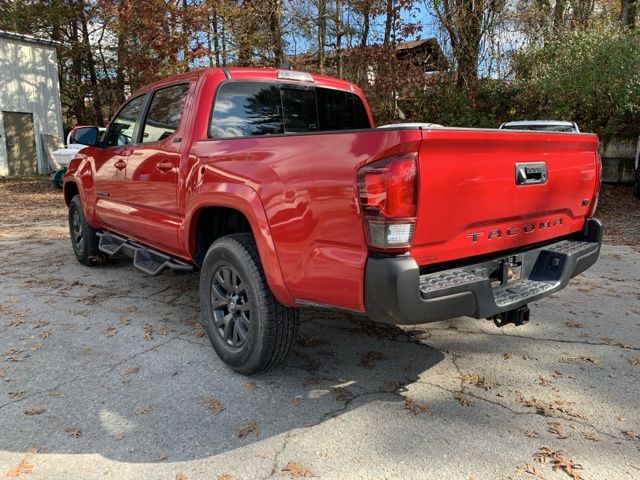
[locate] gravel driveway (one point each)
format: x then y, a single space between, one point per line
106 373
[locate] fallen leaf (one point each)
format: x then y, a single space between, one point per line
128 373
163 330
34 411
530 469
181 476
245 430
616 343
224 476
573 324
148 332
477 380
40 324
591 436
368 359
507 355
143 410
532 434
250 386
110 331
634 361
3 372
414 406
119 437
295 469
296 401
556 429
545 382
73 432
463 400
45 334
23 467
16 393
631 434
341 394
547 409
213 404
559 462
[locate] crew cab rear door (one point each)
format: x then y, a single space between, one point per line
153 169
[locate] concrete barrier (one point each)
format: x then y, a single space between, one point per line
618 159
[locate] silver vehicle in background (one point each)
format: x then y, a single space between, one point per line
542 125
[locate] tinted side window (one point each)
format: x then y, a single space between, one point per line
123 126
164 113
246 109
339 110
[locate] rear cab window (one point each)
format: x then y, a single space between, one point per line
253 108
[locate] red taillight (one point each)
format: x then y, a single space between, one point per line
596 193
388 196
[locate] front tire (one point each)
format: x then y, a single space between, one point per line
83 236
249 329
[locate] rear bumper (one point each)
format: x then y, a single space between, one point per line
396 293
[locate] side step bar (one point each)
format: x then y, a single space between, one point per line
144 258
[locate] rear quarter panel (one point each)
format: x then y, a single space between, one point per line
307 187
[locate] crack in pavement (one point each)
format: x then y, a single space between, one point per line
522 412
276 455
83 377
539 339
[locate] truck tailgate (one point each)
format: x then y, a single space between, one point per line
472 201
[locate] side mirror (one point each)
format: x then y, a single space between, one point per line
86 136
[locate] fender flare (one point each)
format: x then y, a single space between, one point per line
244 199
79 173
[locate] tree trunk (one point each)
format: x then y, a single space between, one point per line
366 25
91 66
628 12
121 53
388 23
275 30
322 32
558 15
339 35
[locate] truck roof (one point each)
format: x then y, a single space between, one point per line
255 73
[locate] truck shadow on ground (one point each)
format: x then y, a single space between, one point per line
107 388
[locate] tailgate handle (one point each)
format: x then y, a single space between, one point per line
528 173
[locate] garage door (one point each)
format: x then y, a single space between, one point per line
20 141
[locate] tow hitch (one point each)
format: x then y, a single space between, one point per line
518 317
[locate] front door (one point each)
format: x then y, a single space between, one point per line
20 141
152 170
111 167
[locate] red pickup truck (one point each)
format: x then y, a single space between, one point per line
278 188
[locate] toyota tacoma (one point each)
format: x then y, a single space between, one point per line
278 188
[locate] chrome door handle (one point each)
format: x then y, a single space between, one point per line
164 166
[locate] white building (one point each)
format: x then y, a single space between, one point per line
29 102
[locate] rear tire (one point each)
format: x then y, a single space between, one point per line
249 329
83 236
636 184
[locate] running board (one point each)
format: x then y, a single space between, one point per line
144 258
